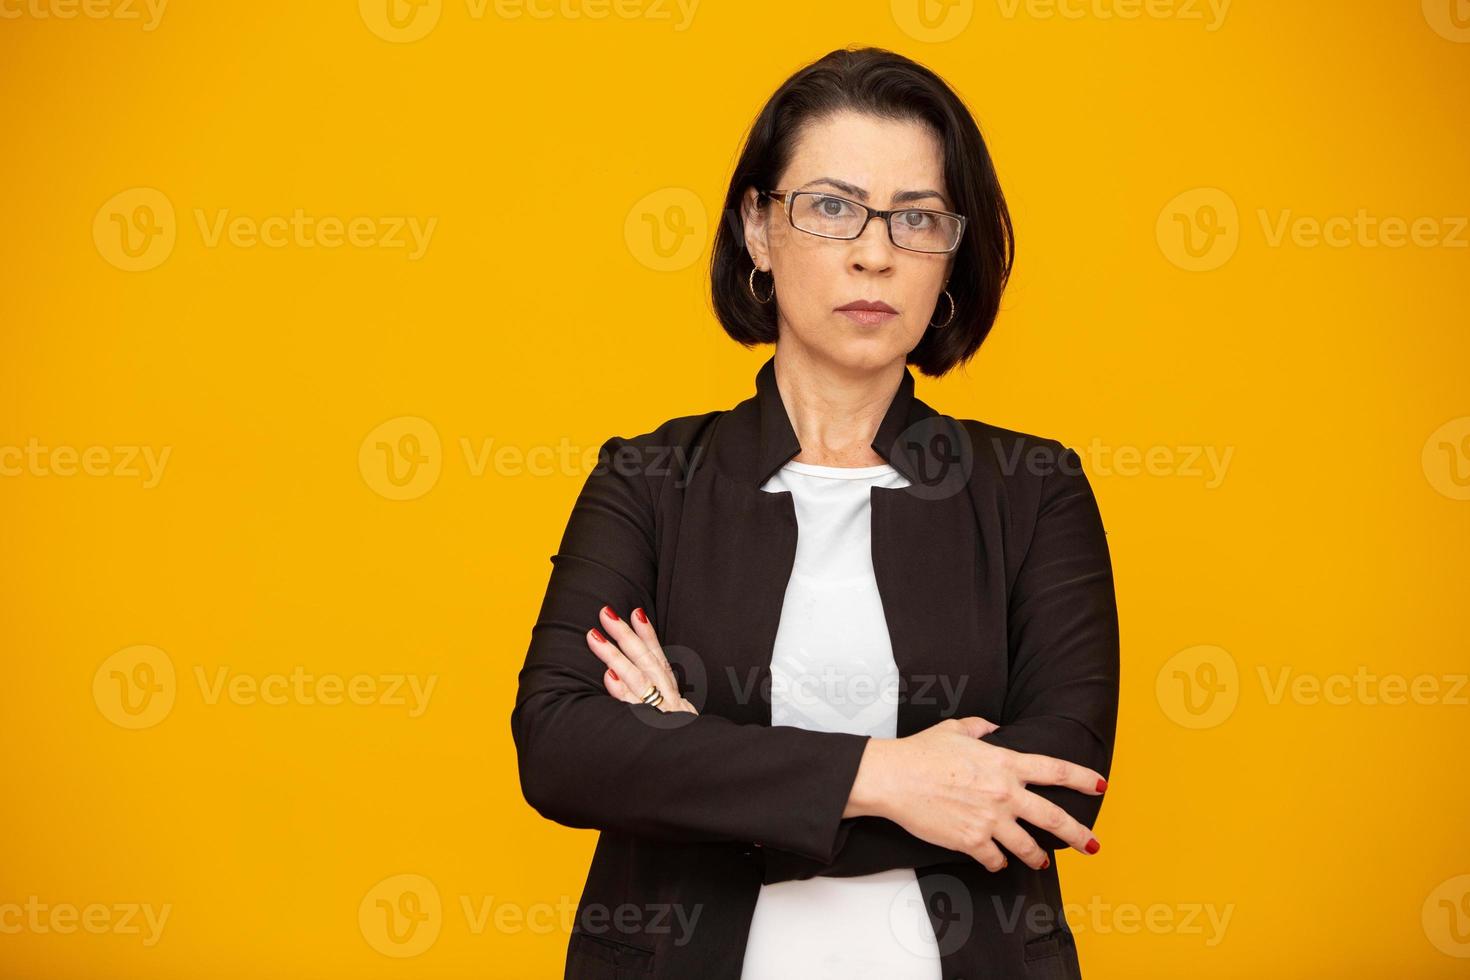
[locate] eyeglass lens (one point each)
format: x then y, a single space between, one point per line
834 217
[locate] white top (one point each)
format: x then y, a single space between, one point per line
832 670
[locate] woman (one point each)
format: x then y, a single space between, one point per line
947 582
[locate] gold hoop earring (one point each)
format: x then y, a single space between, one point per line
751 279
940 326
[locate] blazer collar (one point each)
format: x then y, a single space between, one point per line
763 440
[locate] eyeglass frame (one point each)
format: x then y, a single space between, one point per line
786 196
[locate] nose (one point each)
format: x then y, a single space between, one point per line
873 250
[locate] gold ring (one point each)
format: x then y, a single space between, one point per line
652 697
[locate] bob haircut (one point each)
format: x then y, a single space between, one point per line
888 85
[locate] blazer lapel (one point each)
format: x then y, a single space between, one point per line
736 545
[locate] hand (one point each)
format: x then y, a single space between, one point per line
944 785
635 660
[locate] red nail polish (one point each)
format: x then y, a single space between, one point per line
610 614
597 634
1092 846
642 616
1102 784
613 672
1045 863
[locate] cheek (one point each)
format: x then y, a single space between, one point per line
922 303
816 273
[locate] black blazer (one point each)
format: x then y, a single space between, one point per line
997 588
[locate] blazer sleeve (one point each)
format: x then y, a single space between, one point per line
865 845
588 760
1062 690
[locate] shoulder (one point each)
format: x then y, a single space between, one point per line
648 459
1019 454
681 433
1015 455
1026 474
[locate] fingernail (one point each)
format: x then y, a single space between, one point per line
610 614
1092 846
642 617
597 634
1045 863
613 672
1102 784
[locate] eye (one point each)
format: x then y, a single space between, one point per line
917 219
833 207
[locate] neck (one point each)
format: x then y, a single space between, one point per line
835 410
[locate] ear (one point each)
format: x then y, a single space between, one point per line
753 221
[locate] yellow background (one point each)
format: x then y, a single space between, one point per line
1331 834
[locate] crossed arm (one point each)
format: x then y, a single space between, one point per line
1062 691
589 760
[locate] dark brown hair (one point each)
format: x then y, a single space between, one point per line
888 85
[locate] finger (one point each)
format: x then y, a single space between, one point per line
650 668
616 687
612 657
1050 771
975 726
1022 845
1046 815
989 855
643 626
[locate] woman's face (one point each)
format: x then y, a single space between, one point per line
872 161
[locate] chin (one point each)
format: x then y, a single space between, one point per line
868 353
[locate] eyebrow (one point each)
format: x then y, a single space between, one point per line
902 197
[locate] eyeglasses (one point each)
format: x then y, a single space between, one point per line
828 216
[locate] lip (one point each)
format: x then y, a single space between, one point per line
868 312
874 306
868 317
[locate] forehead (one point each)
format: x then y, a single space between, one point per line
881 155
